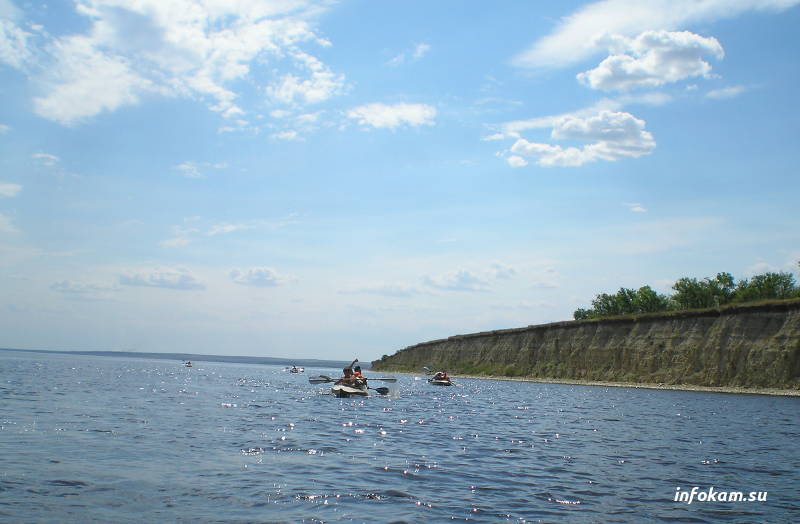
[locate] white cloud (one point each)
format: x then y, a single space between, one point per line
393 116
652 59
14 46
257 276
9 190
220 229
181 48
384 289
46 159
726 92
514 128
466 280
419 51
501 271
320 84
615 135
87 81
83 290
516 161
193 169
457 280
170 278
574 39
759 268
176 242
288 135
635 207
4 129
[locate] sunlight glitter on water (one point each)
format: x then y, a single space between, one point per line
251 438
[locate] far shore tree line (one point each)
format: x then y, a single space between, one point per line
691 293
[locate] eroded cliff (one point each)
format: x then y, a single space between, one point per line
752 346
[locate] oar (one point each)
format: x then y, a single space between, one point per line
320 379
385 379
382 391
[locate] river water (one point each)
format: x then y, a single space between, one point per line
107 439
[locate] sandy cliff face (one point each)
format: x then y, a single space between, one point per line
746 346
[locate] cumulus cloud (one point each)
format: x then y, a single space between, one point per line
615 135
516 161
466 280
257 276
195 49
170 278
575 38
393 116
652 59
9 190
319 85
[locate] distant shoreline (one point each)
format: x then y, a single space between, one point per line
674 387
197 357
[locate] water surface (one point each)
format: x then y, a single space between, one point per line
129 440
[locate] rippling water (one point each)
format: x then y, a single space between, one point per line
126 440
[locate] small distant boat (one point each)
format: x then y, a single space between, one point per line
295 369
188 364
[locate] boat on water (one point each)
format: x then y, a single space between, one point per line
295 369
440 379
346 391
188 364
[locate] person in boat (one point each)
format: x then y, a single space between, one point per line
350 378
441 375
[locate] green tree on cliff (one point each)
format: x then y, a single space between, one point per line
767 286
624 302
691 293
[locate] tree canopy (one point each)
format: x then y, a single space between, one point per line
691 293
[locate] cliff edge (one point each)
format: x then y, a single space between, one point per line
747 345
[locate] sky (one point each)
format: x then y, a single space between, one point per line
342 179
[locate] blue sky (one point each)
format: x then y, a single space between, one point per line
342 179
